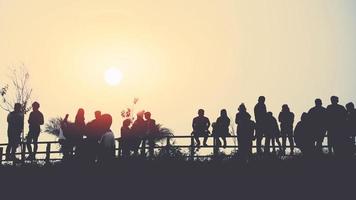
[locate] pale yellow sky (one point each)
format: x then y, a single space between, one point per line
179 55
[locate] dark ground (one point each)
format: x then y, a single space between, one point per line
323 178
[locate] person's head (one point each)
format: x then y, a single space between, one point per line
213 125
97 114
223 113
147 115
140 114
261 99
350 106
318 103
126 123
304 116
334 100
242 108
201 112
106 121
270 114
80 115
17 107
35 105
285 108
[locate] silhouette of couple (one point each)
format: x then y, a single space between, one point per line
143 129
15 122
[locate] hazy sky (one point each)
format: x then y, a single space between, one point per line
178 56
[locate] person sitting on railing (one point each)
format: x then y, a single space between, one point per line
302 135
201 126
15 127
126 138
222 125
35 121
245 132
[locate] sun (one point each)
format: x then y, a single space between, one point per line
113 76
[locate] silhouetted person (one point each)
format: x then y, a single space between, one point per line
126 138
336 122
35 121
201 126
151 132
80 130
245 132
260 111
318 116
107 140
15 121
351 121
303 137
286 119
139 131
222 126
272 133
90 146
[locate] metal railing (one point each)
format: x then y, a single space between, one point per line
166 141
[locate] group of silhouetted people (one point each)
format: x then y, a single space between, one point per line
88 142
335 122
94 141
135 135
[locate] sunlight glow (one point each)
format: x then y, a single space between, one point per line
113 76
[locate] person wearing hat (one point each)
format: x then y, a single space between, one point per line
35 121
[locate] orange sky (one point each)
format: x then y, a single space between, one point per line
178 56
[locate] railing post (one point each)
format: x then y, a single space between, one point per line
168 141
23 151
119 148
48 153
192 146
1 154
143 147
215 146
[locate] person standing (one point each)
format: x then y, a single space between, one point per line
260 111
286 119
126 138
337 116
245 132
351 121
272 133
317 117
15 121
35 121
151 132
139 130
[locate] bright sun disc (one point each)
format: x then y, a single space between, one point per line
113 76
